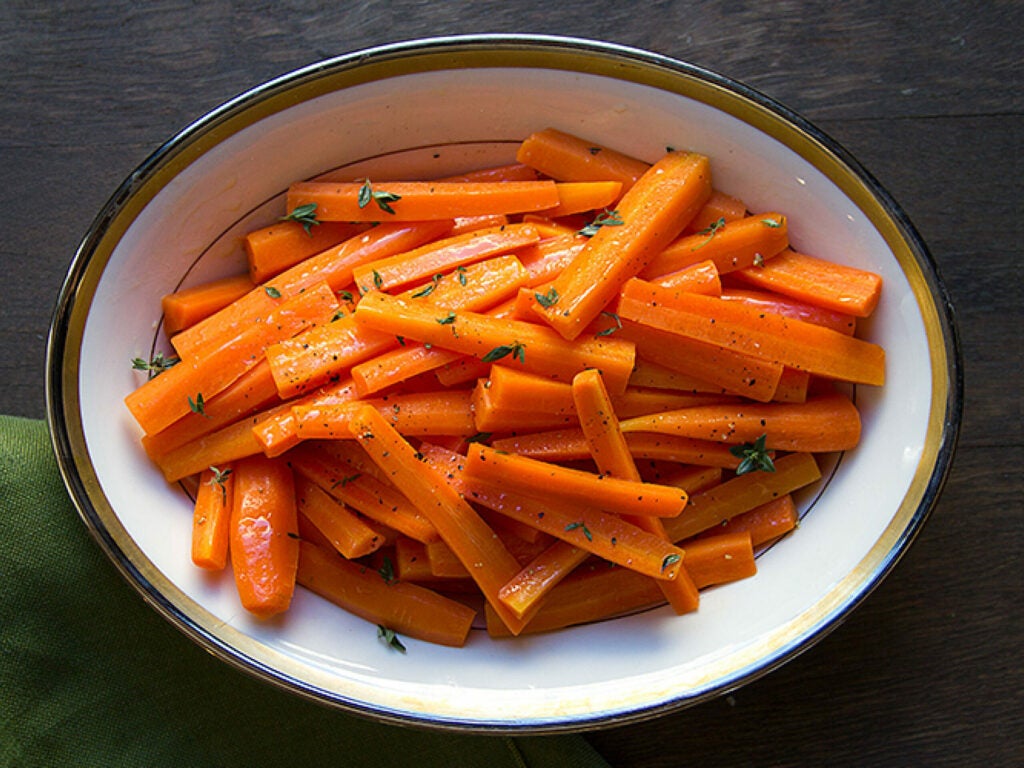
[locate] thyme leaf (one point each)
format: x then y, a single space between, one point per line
755 457
304 215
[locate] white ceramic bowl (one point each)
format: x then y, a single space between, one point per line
441 106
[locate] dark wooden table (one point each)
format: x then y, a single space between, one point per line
926 94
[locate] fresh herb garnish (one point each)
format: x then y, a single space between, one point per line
754 457
711 230
389 638
516 349
272 292
771 223
345 295
378 281
198 405
605 219
304 215
217 480
461 272
387 571
368 194
758 260
428 289
670 559
479 437
447 319
155 365
548 299
612 328
580 524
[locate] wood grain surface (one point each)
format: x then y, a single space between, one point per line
927 95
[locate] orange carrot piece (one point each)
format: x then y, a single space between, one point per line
264 535
566 157
460 527
764 523
799 310
408 609
333 266
273 249
211 520
720 559
742 494
749 330
345 531
444 564
277 432
550 256
442 256
509 172
822 283
534 478
419 413
652 212
731 246
420 200
411 560
829 422
648 374
718 206
165 398
534 347
187 306
462 370
397 365
582 196
701 277
793 386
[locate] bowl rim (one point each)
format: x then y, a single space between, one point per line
377 63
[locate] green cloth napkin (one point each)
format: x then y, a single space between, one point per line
91 676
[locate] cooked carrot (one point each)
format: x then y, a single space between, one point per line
420 413
346 531
742 494
718 206
612 456
420 200
460 527
411 560
530 477
401 607
508 172
747 329
273 249
819 282
397 365
211 520
793 386
651 213
764 523
566 157
730 245
187 306
165 398
524 592
264 535
531 346
444 564
701 277
550 228
720 559
647 373
799 310
277 431
333 266
442 256
829 422
583 196
550 256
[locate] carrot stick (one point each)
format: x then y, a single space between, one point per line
742 494
583 196
701 277
544 260
509 172
345 531
188 306
444 564
273 249
442 256
264 535
718 206
612 456
720 559
460 527
397 365
730 245
533 347
212 517
333 266
411 560
530 477
165 398
277 432
566 157
462 370
524 592
420 413
799 310
649 374
746 329
420 200
822 283
764 523
405 608
652 212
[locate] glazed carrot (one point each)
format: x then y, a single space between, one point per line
583 196
277 432
720 559
819 282
764 523
465 224
548 227
333 266
411 560
397 365
442 256
720 368
730 245
420 413
691 478
612 456
829 422
747 329
652 212
742 494
273 249
264 535
420 200
718 206
798 310
566 157
460 527
444 564
462 370
649 374
550 256
533 347
509 172
405 608
530 477
701 277
165 398
793 386
188 306
524 592
211 518
345 531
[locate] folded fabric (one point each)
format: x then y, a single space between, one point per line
91 676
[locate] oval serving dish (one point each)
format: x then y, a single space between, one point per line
440 106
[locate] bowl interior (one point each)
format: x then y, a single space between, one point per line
419 114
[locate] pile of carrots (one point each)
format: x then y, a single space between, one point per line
533 396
